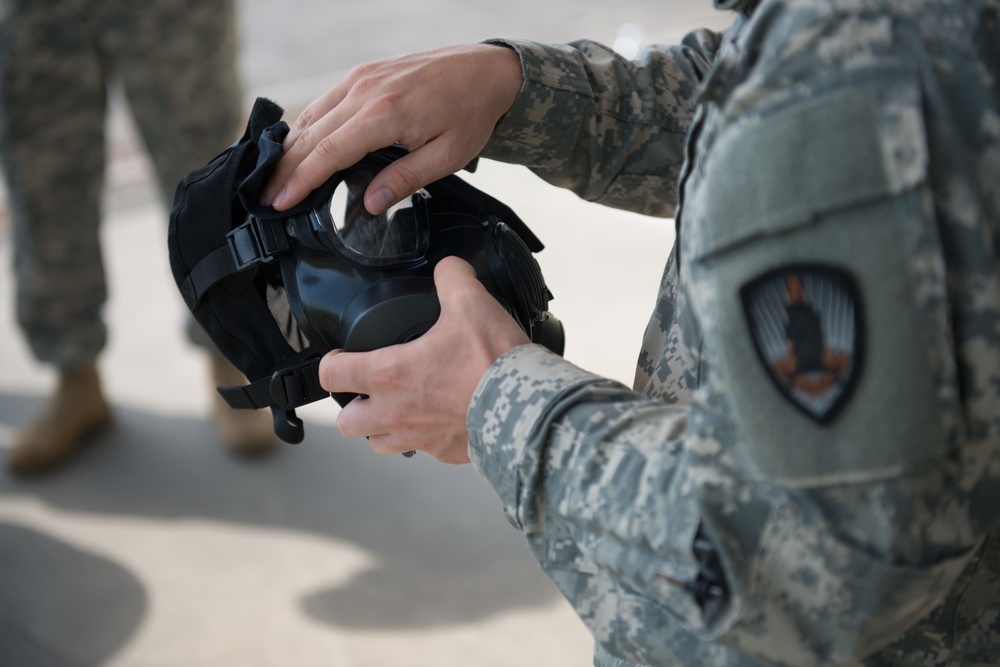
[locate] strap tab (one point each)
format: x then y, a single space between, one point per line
256 396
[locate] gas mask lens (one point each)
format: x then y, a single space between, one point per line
399 235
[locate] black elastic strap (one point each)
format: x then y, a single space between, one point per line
253 396
254 242
288 388
212 268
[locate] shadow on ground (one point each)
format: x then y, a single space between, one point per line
442 550
48 584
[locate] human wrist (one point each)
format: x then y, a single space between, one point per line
507 71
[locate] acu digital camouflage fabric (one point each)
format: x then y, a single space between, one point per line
700 518
176 61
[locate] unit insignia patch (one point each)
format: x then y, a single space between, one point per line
806 324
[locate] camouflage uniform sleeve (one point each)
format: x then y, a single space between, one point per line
609 129
594 475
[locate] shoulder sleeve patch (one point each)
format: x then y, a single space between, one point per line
806 324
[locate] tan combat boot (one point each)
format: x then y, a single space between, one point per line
245 432
75 411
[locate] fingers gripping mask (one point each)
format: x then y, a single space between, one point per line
276 290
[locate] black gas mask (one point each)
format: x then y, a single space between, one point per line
275 291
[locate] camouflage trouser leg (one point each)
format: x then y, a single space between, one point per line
176 60
52 119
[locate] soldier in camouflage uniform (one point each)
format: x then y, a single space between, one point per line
176 62
807 470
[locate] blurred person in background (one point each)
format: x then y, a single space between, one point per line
176 62
807 469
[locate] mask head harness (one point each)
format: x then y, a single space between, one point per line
276 290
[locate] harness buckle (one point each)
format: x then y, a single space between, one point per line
253 242
297 385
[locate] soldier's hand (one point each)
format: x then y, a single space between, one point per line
418 393
442 105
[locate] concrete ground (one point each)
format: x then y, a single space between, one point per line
157 548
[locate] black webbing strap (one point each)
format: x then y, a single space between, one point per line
212 268
288 388
254 242
253 396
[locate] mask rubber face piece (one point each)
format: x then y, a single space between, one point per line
276 291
